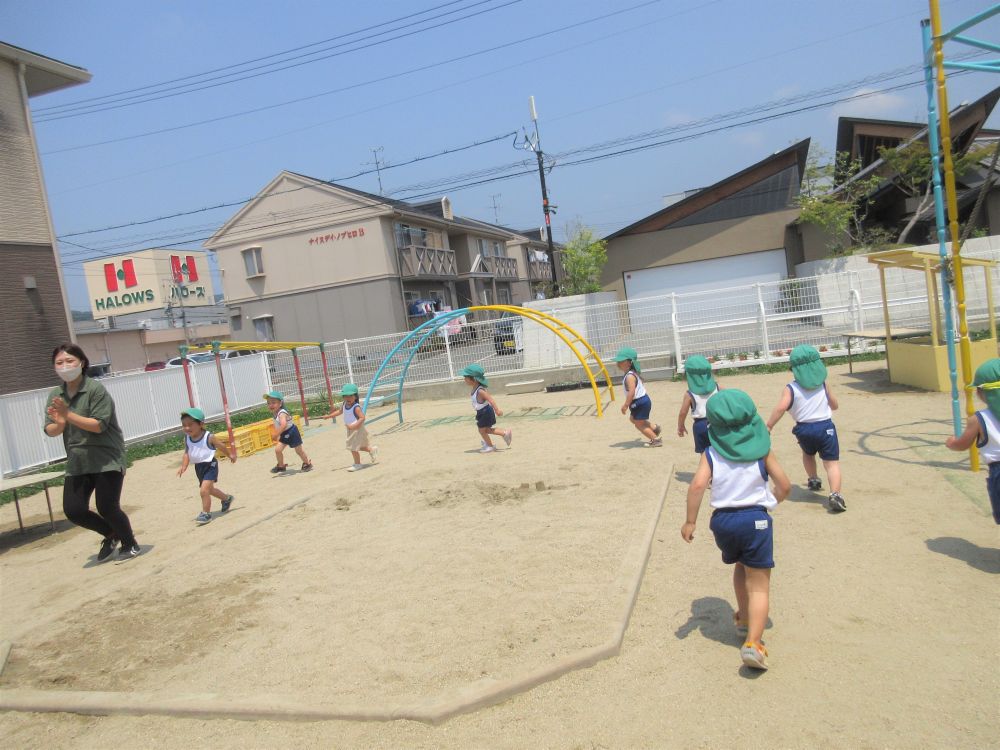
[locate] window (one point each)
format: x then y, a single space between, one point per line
483 245
410 296
236 323
497 249
264 327
487 296
503 295
252 262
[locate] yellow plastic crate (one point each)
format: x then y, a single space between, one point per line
251 438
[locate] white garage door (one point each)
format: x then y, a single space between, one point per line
702 275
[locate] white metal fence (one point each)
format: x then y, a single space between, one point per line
735 327
146 403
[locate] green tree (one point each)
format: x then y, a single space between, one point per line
583 257
835 197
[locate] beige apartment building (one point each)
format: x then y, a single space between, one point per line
309 260
34 315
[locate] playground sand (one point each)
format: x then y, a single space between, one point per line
440 568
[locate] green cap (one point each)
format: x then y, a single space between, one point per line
476 372
735 429
195 413
988 378
628 353
698 372
807 367
275 394
349 389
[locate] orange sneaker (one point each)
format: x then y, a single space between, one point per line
754 655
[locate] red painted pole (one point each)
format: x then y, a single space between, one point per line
326 376
187 375
225 401
302 393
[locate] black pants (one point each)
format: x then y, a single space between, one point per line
110 520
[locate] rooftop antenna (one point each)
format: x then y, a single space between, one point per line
378 166
496 207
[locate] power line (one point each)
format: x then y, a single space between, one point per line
156 96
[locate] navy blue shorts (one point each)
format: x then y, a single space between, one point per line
744 535
700 432
291 437
993 487
209 470
486 417
818 437
640 408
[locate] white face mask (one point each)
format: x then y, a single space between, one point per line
69 374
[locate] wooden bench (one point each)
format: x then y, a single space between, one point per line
16 483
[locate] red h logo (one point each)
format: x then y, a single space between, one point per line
180 270
126 274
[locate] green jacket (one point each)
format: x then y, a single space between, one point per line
91 452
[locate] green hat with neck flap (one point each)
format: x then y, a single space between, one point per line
698 373
807 367
630 354
988 378
475 372
735 429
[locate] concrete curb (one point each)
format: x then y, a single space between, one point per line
436 710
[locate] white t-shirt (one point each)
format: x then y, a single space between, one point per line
738 484
809 406
989 450
199 452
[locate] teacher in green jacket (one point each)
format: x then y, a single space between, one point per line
83 412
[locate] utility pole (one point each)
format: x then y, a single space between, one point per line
378 166
546 208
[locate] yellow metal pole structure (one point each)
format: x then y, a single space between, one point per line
952 206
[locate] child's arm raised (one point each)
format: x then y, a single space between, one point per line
834 404
696 491
489 399
682 417
964 441
780 409
630 381
782 485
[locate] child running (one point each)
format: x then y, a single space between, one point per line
354 419
738 463
701 386
812 404
288 433
486 408
636 400
199 448
983 427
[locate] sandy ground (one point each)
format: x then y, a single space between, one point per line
440 568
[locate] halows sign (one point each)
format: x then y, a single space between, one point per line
148 280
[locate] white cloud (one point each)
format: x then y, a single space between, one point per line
875 106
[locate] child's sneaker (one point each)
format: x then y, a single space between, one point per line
374 454
814 484
654 443
837 502
127 553
226 503
487 449
355 467
508 435
107 549
279 469
307 467
203 518
754 655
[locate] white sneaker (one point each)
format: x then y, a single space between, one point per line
374 454
356 467
487 449
508 436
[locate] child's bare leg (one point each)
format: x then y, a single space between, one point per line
484 434
833 474
645 427
206 495
356 456
279 451
809 464
758 596
302 454
740 589
216 492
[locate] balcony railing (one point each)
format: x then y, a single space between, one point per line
539 270
500 267
416 261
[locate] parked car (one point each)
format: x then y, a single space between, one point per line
209 357
507 335
155 366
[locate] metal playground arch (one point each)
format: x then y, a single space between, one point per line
396 364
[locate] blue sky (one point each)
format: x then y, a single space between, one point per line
640 69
